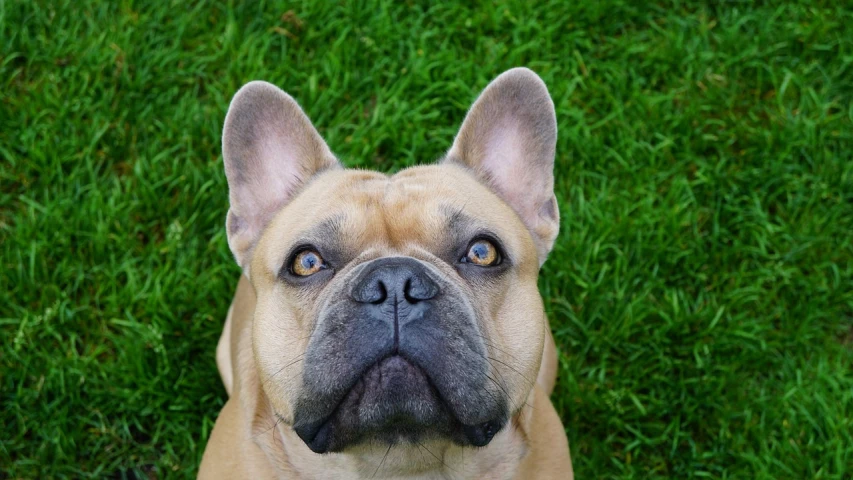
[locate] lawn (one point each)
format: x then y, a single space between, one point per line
700 292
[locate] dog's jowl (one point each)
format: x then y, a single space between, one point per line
390 326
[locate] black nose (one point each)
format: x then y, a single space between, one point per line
394 279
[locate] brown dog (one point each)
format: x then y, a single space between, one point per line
390 326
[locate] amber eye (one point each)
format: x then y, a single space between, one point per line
483 253
307 262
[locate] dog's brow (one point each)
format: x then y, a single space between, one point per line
459 226
458 222
329 229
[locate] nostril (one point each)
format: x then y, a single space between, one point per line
401 281
373 292
380 294
407 289
417 289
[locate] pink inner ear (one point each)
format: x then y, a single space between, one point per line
257 199
508 137
283 172
518 183
269 149
274 176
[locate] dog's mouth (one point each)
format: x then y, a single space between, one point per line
393 402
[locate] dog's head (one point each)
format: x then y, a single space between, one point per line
395 308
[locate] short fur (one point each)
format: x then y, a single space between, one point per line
281 346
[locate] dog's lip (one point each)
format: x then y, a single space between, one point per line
317 434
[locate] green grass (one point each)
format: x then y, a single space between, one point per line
701 291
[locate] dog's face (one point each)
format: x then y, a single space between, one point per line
397 308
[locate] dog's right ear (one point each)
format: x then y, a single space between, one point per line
270 149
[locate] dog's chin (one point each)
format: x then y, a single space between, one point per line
393 403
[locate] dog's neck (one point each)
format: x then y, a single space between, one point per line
290 458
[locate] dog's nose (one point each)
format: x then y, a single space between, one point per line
395 280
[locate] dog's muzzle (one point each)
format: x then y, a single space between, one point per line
397 356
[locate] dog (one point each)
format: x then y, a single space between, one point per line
390 326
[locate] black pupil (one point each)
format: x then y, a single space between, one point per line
480 250
309 261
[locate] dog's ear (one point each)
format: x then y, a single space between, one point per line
509 139
270 149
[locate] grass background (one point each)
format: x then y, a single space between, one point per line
701 291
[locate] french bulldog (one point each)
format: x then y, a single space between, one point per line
390 326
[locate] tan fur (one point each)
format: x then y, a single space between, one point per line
383 223
500 178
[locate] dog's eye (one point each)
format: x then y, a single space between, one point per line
482 252
307 262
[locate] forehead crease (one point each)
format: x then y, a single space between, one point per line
409 213
456 219
461 225
330 228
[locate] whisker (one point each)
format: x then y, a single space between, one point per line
279 419
443 464
418 444
492 345
298 359
383 461
496 370
501 387
514 370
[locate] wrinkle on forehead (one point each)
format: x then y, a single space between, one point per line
408 211
375 209
417 205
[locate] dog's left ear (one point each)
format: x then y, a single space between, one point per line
508 139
